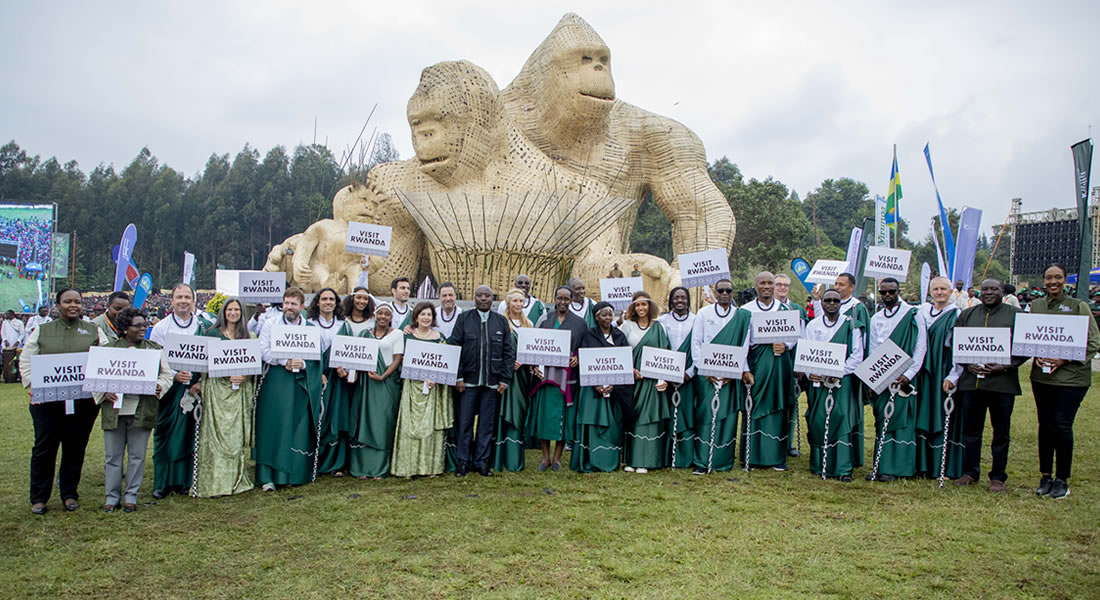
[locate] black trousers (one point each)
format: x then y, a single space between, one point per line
1057 408
52 429
975 404
482 402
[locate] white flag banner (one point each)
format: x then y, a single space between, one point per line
353 353
122 370
720 360
665 365
703 268
186 352
365 238
820 358
188 267
882 367
58 377
258 287
295 341
619 291
981 345
432 361
887 262
548 347
826 271
234 357
1051 336
776 327
606 366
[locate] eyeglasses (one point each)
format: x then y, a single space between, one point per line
887 292
830 301
723 290
139 325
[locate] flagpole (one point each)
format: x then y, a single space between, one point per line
994 250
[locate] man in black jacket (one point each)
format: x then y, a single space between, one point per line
484 372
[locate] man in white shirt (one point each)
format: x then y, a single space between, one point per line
35 321
11 337
448 309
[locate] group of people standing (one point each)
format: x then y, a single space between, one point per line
303 418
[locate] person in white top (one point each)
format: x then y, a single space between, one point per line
400 289
12 330
581 305
35 321
326 314
449 309
901 323
532 306
939 317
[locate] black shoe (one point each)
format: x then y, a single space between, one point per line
485 472
885 478
71 504
1044 486
698 471
870 476
160 494
794 452
1059 489
109 508
129 508
38 509
460 472
845 478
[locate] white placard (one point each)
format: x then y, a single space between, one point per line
257 287
186 352
58 377
606 366
666 365
820 358
295 341
703 268
720 360
547 347
234 357
887 262
431 360
122 370
365 238
1051 336
228 282
981 345
776 327
619 291
826 271
353 353
883 366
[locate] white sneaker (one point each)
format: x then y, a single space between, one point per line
268 487
628 469
641 470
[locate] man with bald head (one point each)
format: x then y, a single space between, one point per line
532 306
484 373
581 304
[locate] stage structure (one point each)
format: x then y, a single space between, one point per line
1048 236
543 178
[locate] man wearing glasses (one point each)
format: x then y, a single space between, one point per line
902 324
718 323
782 291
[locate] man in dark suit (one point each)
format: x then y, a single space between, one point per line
484 372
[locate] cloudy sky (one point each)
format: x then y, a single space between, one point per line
799 91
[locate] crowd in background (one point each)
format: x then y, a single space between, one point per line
34 237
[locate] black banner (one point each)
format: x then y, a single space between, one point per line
1082 165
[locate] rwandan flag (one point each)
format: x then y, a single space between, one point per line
893 195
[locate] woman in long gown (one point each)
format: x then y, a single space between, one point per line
226 422
326 314
426 410
647 442
374 409
552 412
508 454
601 409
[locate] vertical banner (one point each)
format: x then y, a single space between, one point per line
801 270
1082 167
864 245
141 292
943 268
189 268
967 245
882 238
948 241
925 280
893 198
60 255
853 249
125 251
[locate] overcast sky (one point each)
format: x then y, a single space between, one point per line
799 91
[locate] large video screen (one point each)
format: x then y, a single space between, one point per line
1039 244
26 244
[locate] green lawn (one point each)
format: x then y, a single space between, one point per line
531 535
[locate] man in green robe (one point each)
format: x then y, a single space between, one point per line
772 367
287 407
939 315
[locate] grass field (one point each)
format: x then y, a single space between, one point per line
533 535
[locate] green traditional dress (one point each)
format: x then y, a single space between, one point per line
861 319
845 425
336 415
287 415
422 421
796 392
552 416
731 399
930 396
508 452
772 400
374 411
598 442
225 434
681 397
647 443
174 436
899 447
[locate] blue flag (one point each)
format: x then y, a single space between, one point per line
141 291
801 270
948 241
970 225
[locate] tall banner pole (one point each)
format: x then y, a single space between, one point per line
948 241
1082 167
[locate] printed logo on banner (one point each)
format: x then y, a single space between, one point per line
778 327
122 370
1051 336
606 366
720 360
820 358
982 345
620 290
887 262
261 286
234 357
548 347
365 238
826 271
703 268
58 377
666 365
353 353
186 352
882 367
429 360
295 341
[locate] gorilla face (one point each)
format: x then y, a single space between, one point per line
583 77
436 134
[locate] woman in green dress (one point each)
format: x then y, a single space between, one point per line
225 424
426 410
508 453
601 409
374 407
646 443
